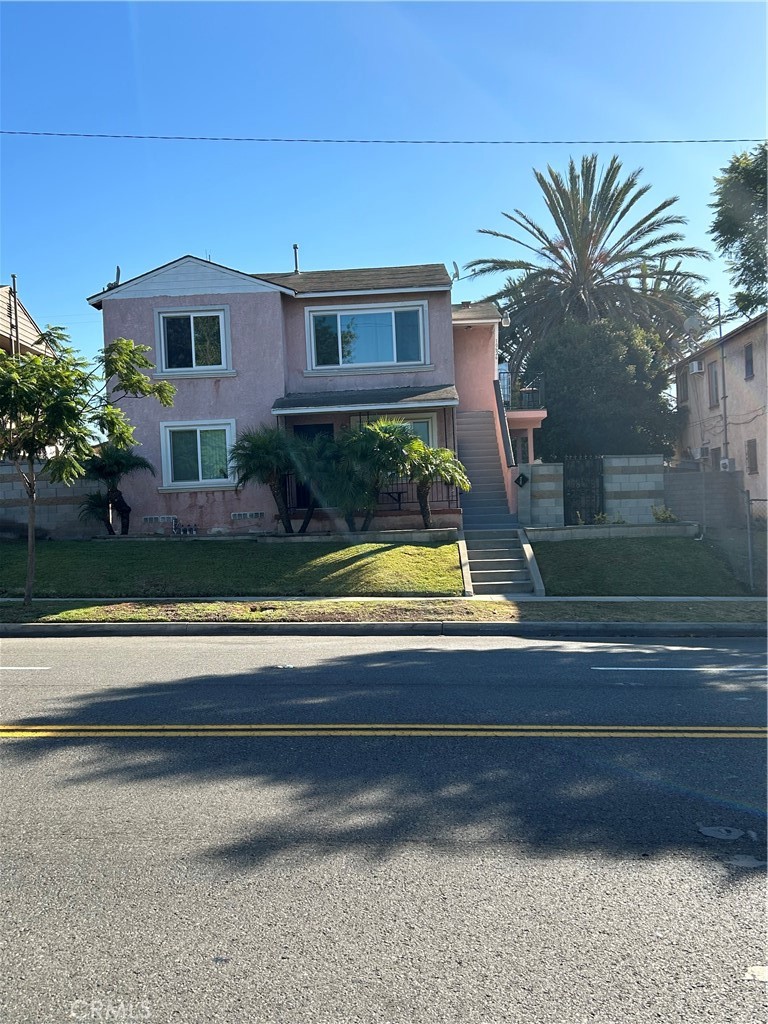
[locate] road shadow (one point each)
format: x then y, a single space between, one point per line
627 799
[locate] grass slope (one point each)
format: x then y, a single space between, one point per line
425 610
219 568
635 567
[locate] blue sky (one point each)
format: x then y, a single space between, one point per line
74 208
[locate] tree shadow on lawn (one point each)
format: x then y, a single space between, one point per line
626 799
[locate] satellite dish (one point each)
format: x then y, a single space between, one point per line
455 272
693 326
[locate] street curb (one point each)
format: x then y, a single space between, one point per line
518 629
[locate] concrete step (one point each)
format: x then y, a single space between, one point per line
510 565
500 549
502 588
500 576
508 533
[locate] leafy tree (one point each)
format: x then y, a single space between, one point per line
109 465
592 266
740 224
265 455
53 408
429 466
605 395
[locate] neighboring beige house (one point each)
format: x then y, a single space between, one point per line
722 387
17 324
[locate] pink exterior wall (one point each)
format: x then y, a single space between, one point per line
256 334
440 342
475 353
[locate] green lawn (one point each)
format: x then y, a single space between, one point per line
221 568
637 567
425 610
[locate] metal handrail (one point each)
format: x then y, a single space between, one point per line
518 395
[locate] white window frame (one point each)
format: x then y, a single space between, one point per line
166 430
359 419
422 306
209 370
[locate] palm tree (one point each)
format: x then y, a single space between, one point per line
95 508
429 466
591 267
371 455
109 465
316 466
264 455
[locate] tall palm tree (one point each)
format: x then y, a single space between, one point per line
264 455
591 266
429 466
109 465
371 455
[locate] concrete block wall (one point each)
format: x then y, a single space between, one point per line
57 507
540 500
711 498
632 484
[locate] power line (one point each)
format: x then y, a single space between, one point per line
381 142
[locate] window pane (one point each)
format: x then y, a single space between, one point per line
213 454
420 429
207 341
749 366
178 342
408 336
366 338
326 340
184 456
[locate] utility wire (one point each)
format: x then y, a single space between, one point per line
381 142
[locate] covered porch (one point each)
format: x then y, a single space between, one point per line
430 411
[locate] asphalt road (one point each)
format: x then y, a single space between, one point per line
400 830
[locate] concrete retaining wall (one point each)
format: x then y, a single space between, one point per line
610 532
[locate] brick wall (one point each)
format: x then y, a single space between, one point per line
57 507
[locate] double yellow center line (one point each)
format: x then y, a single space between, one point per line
390 729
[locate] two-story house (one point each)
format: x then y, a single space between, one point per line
310 351
722 390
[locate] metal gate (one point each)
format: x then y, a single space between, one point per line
582 488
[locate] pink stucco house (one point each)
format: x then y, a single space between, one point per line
310 351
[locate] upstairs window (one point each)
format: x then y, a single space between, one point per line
193 341
714 391
751 453
749 364
367 337
682 385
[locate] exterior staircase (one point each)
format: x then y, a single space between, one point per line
496 560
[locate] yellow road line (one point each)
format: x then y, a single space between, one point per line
58 731
390 726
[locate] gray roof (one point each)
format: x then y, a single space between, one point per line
469 312
372 398
366 279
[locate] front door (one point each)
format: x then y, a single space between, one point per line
309 431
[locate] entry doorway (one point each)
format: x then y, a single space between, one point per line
309 431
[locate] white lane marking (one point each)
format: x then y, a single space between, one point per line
692 668
25 668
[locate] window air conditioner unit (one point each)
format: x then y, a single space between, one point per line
696 366
700 453
727 465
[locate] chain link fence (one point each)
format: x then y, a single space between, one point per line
756 510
